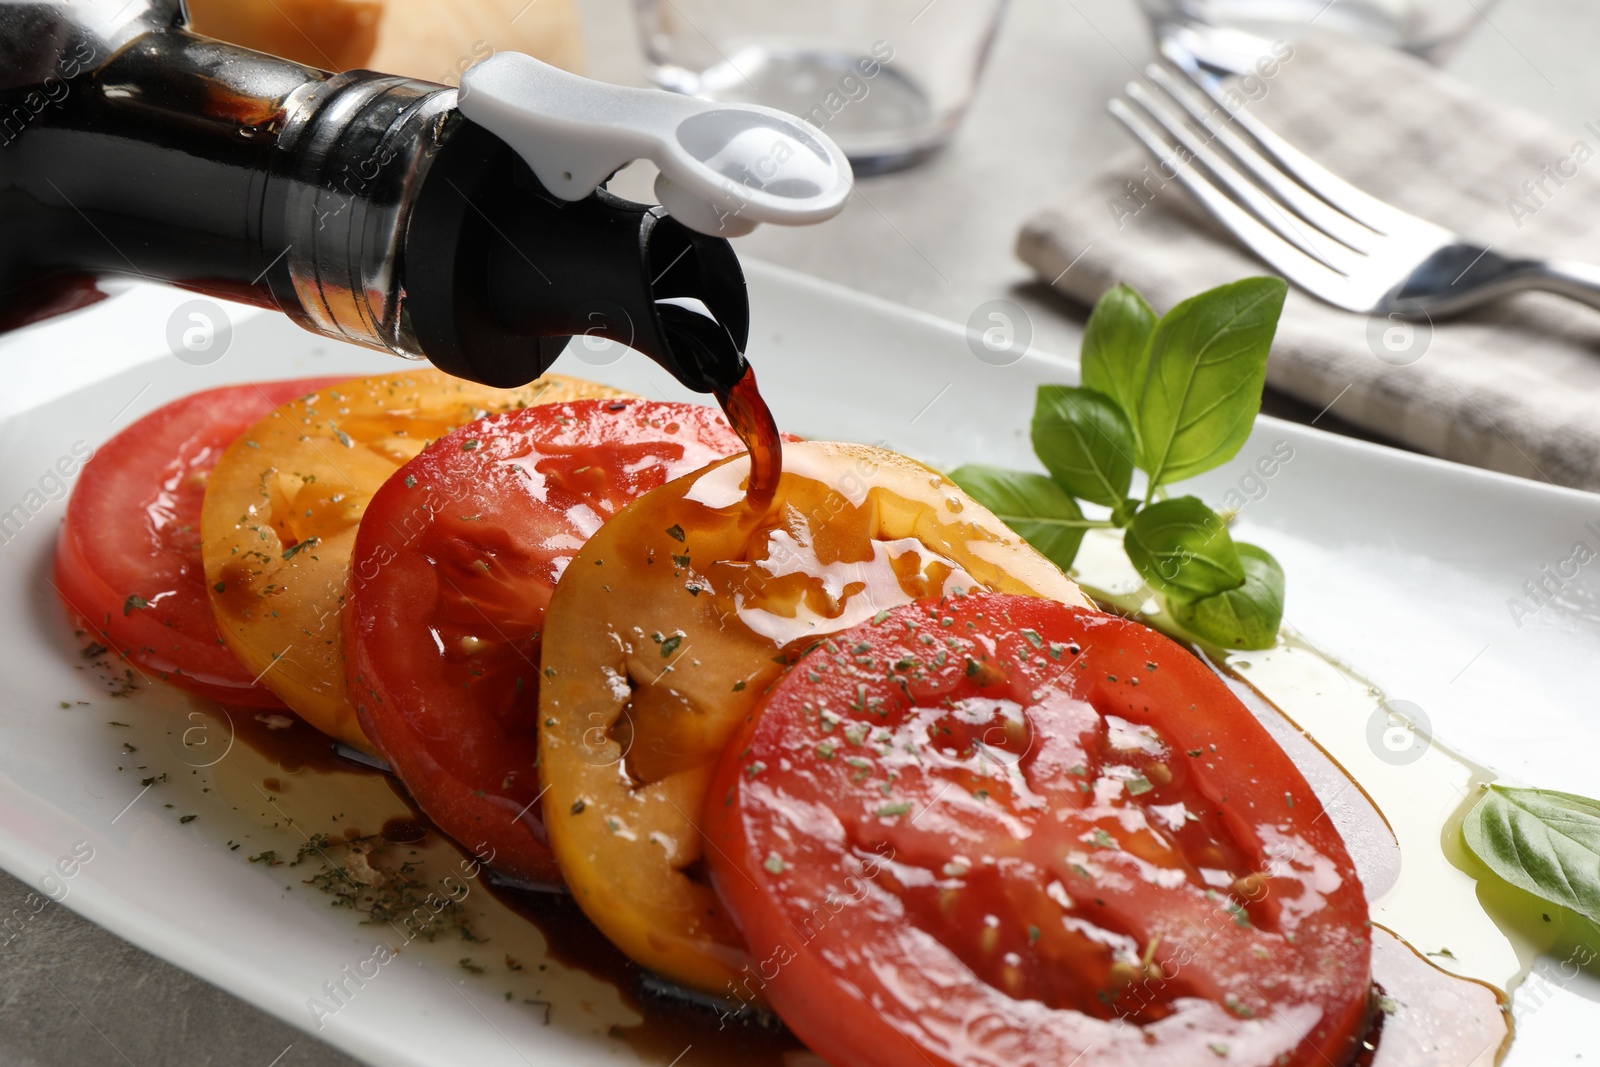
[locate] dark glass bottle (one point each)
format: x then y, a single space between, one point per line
363 205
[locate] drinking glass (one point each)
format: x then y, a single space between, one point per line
1430 29
888 80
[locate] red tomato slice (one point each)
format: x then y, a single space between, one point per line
998 830
454 565
128 561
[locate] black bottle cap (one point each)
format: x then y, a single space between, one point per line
500 274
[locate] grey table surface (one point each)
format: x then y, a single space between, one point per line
938 238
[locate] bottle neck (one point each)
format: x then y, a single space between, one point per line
340 200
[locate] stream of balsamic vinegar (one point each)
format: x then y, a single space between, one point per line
752 420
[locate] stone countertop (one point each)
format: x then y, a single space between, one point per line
938 238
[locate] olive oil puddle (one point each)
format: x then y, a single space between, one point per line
1426 1017
346 839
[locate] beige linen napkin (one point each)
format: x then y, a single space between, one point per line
1514 386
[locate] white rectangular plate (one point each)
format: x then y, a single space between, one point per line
1401 566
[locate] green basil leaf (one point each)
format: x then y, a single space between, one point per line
1040 512
1545 842
1116 346
1182 548
1208 363
1085 442
1247 617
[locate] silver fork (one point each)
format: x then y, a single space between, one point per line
1338 243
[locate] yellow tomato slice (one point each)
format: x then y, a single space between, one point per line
671 622
281 512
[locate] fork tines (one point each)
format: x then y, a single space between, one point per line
1320 231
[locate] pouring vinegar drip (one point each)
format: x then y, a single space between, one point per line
708 341
752 420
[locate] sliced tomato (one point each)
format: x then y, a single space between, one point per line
128 561
672 621
998 830
282 509
453 567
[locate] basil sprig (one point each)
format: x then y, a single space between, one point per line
1542 841
1173 397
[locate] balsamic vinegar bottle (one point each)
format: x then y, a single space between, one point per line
367 207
